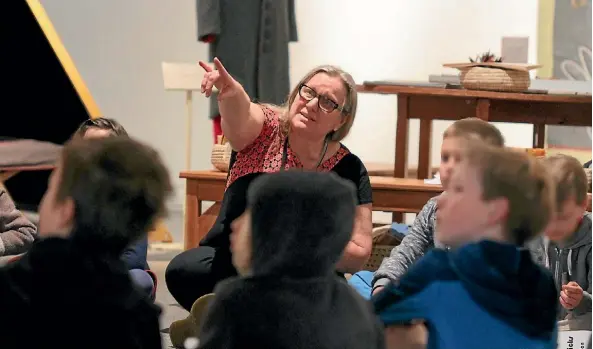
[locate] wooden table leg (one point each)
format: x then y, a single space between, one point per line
401 136
483 109
539 135
424 149
196 228
401 143
193 210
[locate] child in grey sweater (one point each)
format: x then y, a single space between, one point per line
565 246
17 233
420 238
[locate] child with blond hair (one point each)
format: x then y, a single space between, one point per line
485 291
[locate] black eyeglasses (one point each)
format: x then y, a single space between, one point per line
324 102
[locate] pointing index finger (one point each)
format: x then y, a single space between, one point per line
205 66
221 69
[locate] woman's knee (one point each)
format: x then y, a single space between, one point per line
188 266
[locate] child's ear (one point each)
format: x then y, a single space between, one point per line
585 204
498 210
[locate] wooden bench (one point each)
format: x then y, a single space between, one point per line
384 169
389 194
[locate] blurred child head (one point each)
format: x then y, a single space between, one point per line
296 223
100 128
571 195
495 194
464 128
105 192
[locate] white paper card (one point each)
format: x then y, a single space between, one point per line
574 339
182 76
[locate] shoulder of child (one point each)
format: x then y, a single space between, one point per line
229 287
433 267
428 213
432 203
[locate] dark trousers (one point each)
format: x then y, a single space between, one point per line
195 272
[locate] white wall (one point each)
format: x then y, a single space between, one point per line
405 40
118 47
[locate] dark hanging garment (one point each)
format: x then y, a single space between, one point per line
250 37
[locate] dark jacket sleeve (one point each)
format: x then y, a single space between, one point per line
17 233
208 18
413 246
147 331
135 255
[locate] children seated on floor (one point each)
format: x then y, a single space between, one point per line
565 248
71 290
135 255
285 247
420 238
484 292
17 233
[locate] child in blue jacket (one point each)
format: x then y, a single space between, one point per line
485 292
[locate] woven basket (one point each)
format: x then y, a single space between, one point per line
494 79
377 254
221 154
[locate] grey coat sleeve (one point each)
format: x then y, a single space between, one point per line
292 25
413 246
208 17
17 233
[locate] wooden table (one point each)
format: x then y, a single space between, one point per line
8 172
431 103
201 186
389 194
386 169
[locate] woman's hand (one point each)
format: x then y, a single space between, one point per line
224 82
241 120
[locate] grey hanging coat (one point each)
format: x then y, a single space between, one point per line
251 40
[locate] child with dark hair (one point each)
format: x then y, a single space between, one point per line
135 255
285 247
485 291
103 195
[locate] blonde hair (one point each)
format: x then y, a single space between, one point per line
519 178
569 178
478 128
350 105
